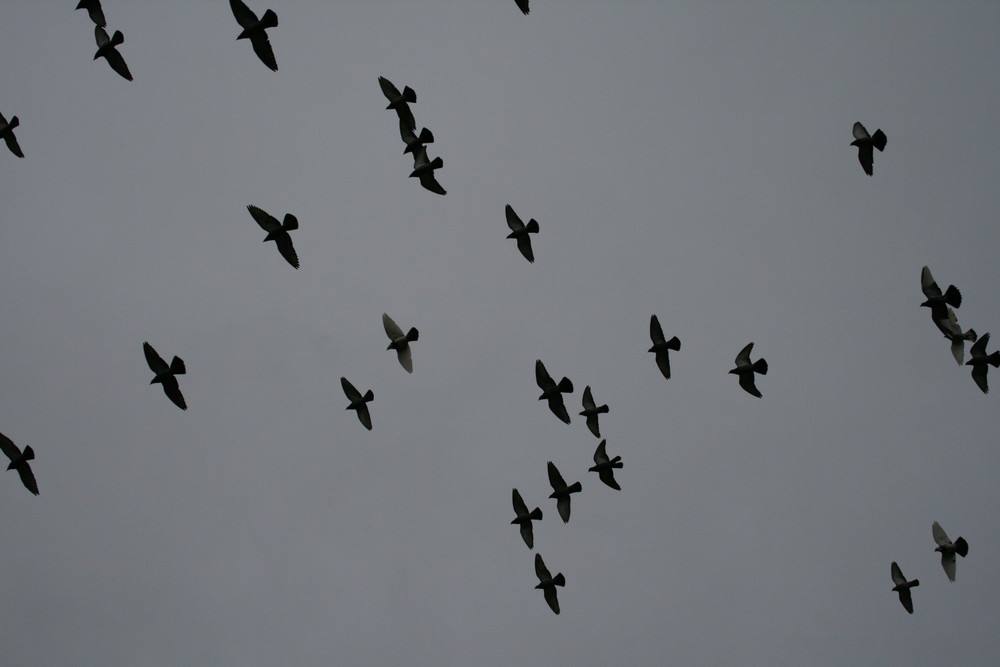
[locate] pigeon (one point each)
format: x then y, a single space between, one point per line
19 462
520 231
7 132
605 467
524 518
548 583
523 6
424 170
903 587
591 410
948 549
107 48
938 301
414 141
746 370
165 375
400 342
256 31
949 327
94 10
662 346
979 360
865 143
359 403
561 492
278 232
399 101
553 392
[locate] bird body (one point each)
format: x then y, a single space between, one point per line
548 583
561 492
278 232
591 411
255 30
519 231
661 346
553 392
980 361
948 549
524 518
424 170
165 375
107 48
866 143
605 467
7 132
359 403
902 586
745 370
400 342
19 462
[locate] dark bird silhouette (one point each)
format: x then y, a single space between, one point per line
865 144
523 6
553 392
948 549
19 462
548 583
937 300
7 132
903 587
745 369
400 342
424 170
256 31
561 492
605 467
591 411
107 48
661 346
980 361
520 231
953 332
412 140
278 232
359 403
94 10
524 518
166 375
399 101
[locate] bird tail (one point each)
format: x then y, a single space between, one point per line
117 38
409 95
878 140
437 163
14 122
603 409
177 366
916 582
29 454
290 222
269 19
953 297
426 136
674 344
971 335
566 386
994 359
961 546
559 580
412 334
532 226
575 487
369 395
535 514
760 366
617 462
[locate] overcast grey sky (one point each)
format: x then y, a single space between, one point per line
687 159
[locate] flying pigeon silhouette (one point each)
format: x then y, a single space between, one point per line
524 518
937 300
865 143
256 31
746 370
412 140
981 361
424 170
165 374
605 467
948 549
94 10
278 232
903 587
107 48
661 346
553 392
548 583
561 492
359 403
400 342
7 132
523 6
591 411
19 462
953 332
520 231
399 101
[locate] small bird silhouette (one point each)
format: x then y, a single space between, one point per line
980 361
591 411
278 232
903 587
165 375
19 462
865 143
561 492
937 300
359 403
7 132
662 346
948 549
94 10
953 332
548 583
256 31
424 170
520 231
524 518
523 6
412 140
399 101
107 48
553 392
605 467
400 342
745 369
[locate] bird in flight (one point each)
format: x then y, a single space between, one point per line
359 403
520 231
399 101
865 143
524 518
553 392
745 369
278 232
255 30
953 332
605 467
424 170
662 346
107 48
166 375
981 361
948 549
937 300
94 10
412 140
903 587
561 492
548 583
19 462
7 132
591 411
400 342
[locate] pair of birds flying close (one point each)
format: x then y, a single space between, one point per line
19 462
948 551
255 29
166 374
278 232
107 47
866 144
423 166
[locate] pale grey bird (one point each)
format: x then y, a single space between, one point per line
953 332
278 232
424 170
937 300
948 549
399 101
605 467
255 30
745 369
865 144
107 49
400 342
359 403
553 392
524 518
166 375
591 411
548 583
94 10
19 462
903 587
7 132
661 346
520 231
561 492
412 140
980 361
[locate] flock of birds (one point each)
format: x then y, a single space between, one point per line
940 302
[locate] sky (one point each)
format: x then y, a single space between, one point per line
687 159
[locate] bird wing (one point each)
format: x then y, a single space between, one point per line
27 477
244 15
948 563
406 115
430 183
558 406
266 221
978 348
523 6
663 363
979 375
607 476
928 285
552 598
262 47
528 534
562 504
948 325
655 330
392 329
588 399
860 132
101 36
15 148
897 574
958 350
390 91
906 599
117 62
601 454
542 377
556 479
513 221
743 358
940 536
541 571
594 425
96 13
523 244
405 358
747 382
365 416
519 507
9 448
173 391
866 156
154 360
287 250
350 390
